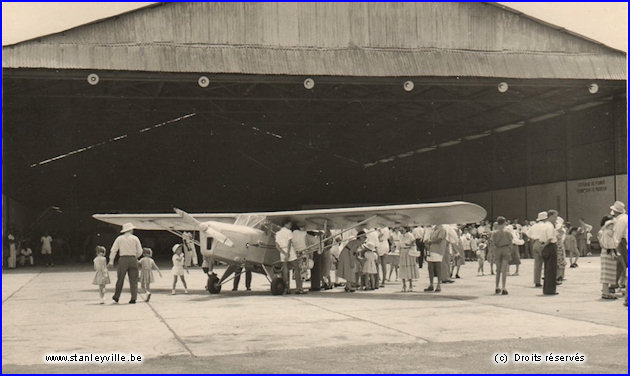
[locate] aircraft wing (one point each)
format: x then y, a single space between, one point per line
318 219
457 212
173 222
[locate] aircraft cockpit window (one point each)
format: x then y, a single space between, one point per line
254 221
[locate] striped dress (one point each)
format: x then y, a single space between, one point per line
608 257
608 267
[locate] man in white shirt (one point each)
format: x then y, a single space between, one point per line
128 247
550 253
47 249
620 236
284 245
371 235
299 243
537 236
298 239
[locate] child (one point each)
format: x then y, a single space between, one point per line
393 257
570 244
481 254
179 267
589 238
474 247
101 278
369 266
147 265
360 275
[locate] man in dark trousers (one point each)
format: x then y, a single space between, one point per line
550 253
237 279
129 248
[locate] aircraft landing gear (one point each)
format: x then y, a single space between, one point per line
277 286
214 286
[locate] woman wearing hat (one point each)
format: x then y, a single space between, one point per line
348 263
129 249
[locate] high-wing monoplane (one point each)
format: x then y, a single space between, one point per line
245 241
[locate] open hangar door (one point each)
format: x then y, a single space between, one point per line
147 142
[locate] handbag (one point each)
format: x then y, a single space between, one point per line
414 253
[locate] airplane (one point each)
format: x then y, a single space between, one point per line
246 241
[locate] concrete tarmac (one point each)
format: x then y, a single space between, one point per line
56 311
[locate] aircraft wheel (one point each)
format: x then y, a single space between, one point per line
213 284
277 286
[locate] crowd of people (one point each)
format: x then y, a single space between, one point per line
364 259
20 250
44 248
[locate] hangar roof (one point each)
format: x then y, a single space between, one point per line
339 39
148 137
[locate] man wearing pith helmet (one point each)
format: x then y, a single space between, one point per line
129 248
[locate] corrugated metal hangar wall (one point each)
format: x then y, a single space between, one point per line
356 138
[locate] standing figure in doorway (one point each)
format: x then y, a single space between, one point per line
47 241
190 252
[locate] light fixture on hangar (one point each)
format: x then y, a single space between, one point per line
203 81
309 83
93 79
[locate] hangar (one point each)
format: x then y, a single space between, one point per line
217 107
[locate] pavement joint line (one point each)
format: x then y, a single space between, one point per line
21 287
360 319
177 337
532 311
